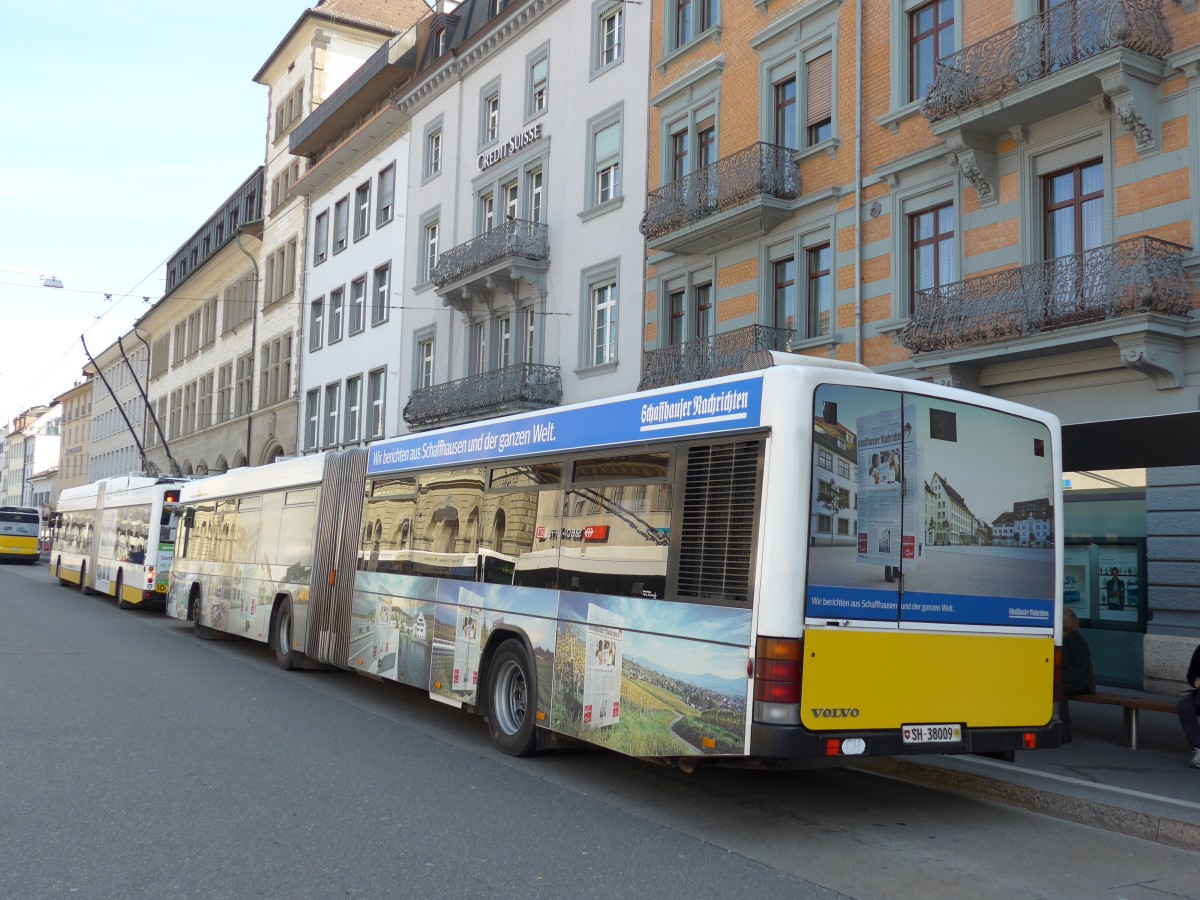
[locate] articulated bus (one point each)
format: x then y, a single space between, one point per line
117 537
20 533
804 562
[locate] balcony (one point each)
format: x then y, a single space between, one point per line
737 198
511 389
1064 58
709 357
516 250
1129 293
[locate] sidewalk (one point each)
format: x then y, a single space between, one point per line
1150 792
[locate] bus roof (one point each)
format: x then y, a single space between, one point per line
725 405
297 472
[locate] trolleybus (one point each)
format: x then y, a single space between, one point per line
117 537
796 563
20 533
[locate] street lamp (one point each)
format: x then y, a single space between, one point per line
50 281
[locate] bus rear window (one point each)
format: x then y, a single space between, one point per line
19 518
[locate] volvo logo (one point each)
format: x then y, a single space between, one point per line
842 713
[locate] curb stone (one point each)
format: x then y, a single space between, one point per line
1150 827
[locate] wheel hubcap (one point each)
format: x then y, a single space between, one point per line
510 697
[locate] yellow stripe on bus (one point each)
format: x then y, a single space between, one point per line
870 679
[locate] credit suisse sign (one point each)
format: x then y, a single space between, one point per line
517 142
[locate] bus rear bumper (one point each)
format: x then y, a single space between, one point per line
795 742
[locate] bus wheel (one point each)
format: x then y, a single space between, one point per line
201 631
286 656
511 696
122 603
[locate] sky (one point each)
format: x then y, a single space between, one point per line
123 127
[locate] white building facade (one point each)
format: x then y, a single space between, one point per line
124 368
526 185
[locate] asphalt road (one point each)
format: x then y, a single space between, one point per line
138 761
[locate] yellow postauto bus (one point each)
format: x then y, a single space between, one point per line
20 532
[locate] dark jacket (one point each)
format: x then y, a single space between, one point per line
1194 669
1077 675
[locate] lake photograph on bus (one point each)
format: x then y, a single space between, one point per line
929 511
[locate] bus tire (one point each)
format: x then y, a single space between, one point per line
122 603
286 656
511 697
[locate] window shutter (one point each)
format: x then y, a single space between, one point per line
820 89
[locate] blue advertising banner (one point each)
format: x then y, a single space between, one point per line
919 606
731 406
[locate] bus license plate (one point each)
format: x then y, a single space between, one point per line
160 588
931 734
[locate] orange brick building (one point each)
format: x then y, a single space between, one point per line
994 196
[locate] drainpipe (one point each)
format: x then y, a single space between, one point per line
858 163
253 343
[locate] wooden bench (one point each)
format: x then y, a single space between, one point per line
1130 706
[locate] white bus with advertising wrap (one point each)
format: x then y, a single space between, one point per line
800 562
117 537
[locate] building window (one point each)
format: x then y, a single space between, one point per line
189 408
275 375
280 279
533 190
785 112
239 304
243 385
610 36
679 154
538 79
820 291
316 324
312 412
430 257
487 212
341 219
329 434
489 130
225 392
362 210
677 305
387 196
320 238
479 349
337 303
605 157
375 393
504 342
603 323
511 195
702 310
381 302
358 305
530 346
281 186
931 239
819 99
930 37
353 409
784 292
1073 200
288 111
433 150
689 19
425 357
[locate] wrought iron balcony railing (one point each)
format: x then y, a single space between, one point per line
1063 36
708 357
1139 275
523 386
515 239
760 169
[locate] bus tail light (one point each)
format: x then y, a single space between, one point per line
777 678
150 577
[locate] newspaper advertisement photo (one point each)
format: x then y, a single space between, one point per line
466 642
602 668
